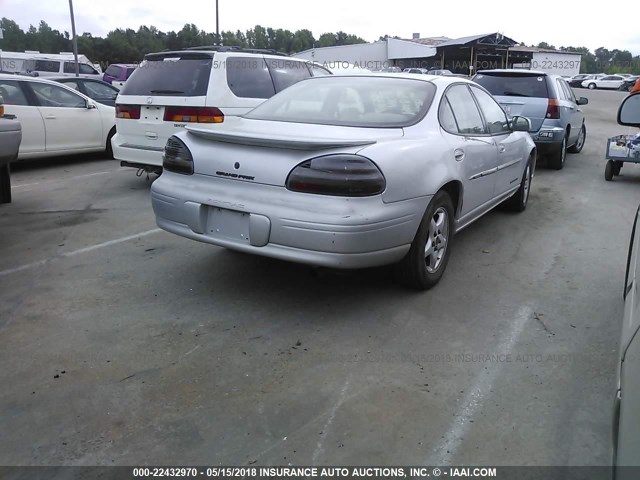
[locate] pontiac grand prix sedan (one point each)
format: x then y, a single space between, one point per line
349 172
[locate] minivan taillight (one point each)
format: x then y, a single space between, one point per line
131 112
193 114
553 109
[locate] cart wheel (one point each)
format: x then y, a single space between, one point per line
617 168
608 170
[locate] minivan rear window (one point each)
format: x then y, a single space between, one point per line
171 74
514 84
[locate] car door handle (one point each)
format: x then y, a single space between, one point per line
50 117
458 153
501 148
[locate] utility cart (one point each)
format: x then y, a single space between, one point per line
620 149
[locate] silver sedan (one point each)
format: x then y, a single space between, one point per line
349 172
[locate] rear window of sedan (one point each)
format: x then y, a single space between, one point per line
514 84
350 101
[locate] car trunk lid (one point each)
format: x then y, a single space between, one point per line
265 151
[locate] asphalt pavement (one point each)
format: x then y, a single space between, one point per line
121 344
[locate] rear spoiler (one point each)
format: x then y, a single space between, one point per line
279 141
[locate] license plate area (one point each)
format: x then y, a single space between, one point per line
229 224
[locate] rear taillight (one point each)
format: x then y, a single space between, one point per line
177 157
340 175
193 115
553 109
131 112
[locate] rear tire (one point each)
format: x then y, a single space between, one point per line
592 86
518 202
427 259
109 148
582 138
608 171
556 161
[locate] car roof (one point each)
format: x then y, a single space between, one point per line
514 70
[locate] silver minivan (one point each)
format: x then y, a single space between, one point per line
557 121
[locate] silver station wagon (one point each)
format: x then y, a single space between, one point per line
349 172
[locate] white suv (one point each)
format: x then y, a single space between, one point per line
198 85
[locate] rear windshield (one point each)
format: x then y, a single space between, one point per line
514 84
350 101
172 74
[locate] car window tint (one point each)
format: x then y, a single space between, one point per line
73 85
130 70
286 72
465 110
47 66
98 90
12 93
561 91
494 116
445 115
568 91
171 74
54 96
248 77
86 69
113 71
318 71
514 85
355 101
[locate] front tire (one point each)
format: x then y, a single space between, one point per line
582 137
556 161
427 259
592 86
518 202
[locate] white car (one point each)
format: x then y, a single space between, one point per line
196 86
626 416
56 119
612 82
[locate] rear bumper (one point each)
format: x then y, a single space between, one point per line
548 140
139 155
335 232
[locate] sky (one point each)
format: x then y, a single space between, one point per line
563 24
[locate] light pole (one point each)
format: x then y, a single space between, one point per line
217 25
74 40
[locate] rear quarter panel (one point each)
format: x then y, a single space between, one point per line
417 165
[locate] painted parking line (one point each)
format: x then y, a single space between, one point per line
91 248
474 400
44 182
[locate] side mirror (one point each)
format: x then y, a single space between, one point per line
90 105
582 101
520 124
629 111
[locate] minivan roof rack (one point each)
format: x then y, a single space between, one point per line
233 48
